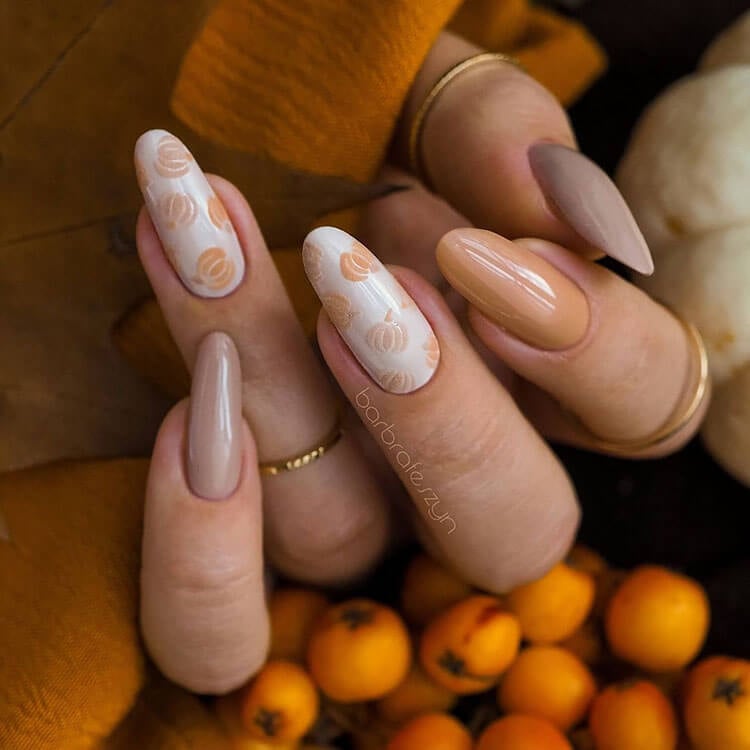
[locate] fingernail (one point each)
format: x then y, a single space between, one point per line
192 223
379 321
586 198
512 286
214 445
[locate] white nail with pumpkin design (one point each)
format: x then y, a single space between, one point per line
192 223
379 321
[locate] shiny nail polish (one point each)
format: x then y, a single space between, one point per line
214 443
190 219
583 196
520 291
379 321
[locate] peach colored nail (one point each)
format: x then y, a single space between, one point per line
214 445
379 321
512 286
586 198
189 217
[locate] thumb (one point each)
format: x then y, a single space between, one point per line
203 613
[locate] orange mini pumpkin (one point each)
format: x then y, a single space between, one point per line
520 732
657 619
435 731
359 651
468 646
553 607
429 587
717 704
280 703
293 613
633 715
417 694
550 682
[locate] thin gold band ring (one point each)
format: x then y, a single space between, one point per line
418 121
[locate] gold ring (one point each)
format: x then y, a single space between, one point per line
304 459
418 121
682 416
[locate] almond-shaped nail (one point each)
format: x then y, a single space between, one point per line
521 292
379 321
584 196
192 222
214 441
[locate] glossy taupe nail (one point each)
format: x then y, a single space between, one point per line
521 292
214 444
583 196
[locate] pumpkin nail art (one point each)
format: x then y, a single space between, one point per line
192 223
379 321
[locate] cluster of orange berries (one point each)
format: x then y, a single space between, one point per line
587 657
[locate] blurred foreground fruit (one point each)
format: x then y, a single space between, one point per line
587 643
293 612
717 704
466 648
657 619
280 703
359 651
587 560
428 589
633 715
432 732
552 608
417 694
519 732
548 682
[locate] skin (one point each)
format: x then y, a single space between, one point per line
512 505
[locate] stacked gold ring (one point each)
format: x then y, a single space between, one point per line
418 121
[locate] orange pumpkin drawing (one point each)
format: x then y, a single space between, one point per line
432 348
311 259
339 309
217 213
172 158
214 269
397 381
178 209
388 336
358 264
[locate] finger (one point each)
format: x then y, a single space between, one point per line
499 148
491 495
325 522
595 343
203 613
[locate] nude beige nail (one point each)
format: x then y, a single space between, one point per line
517 289
584 196
214 445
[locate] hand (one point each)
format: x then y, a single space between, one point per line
489 496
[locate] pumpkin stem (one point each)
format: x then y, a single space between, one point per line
728 690
268 721
389 315
354 617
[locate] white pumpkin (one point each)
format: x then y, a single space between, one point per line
686 176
